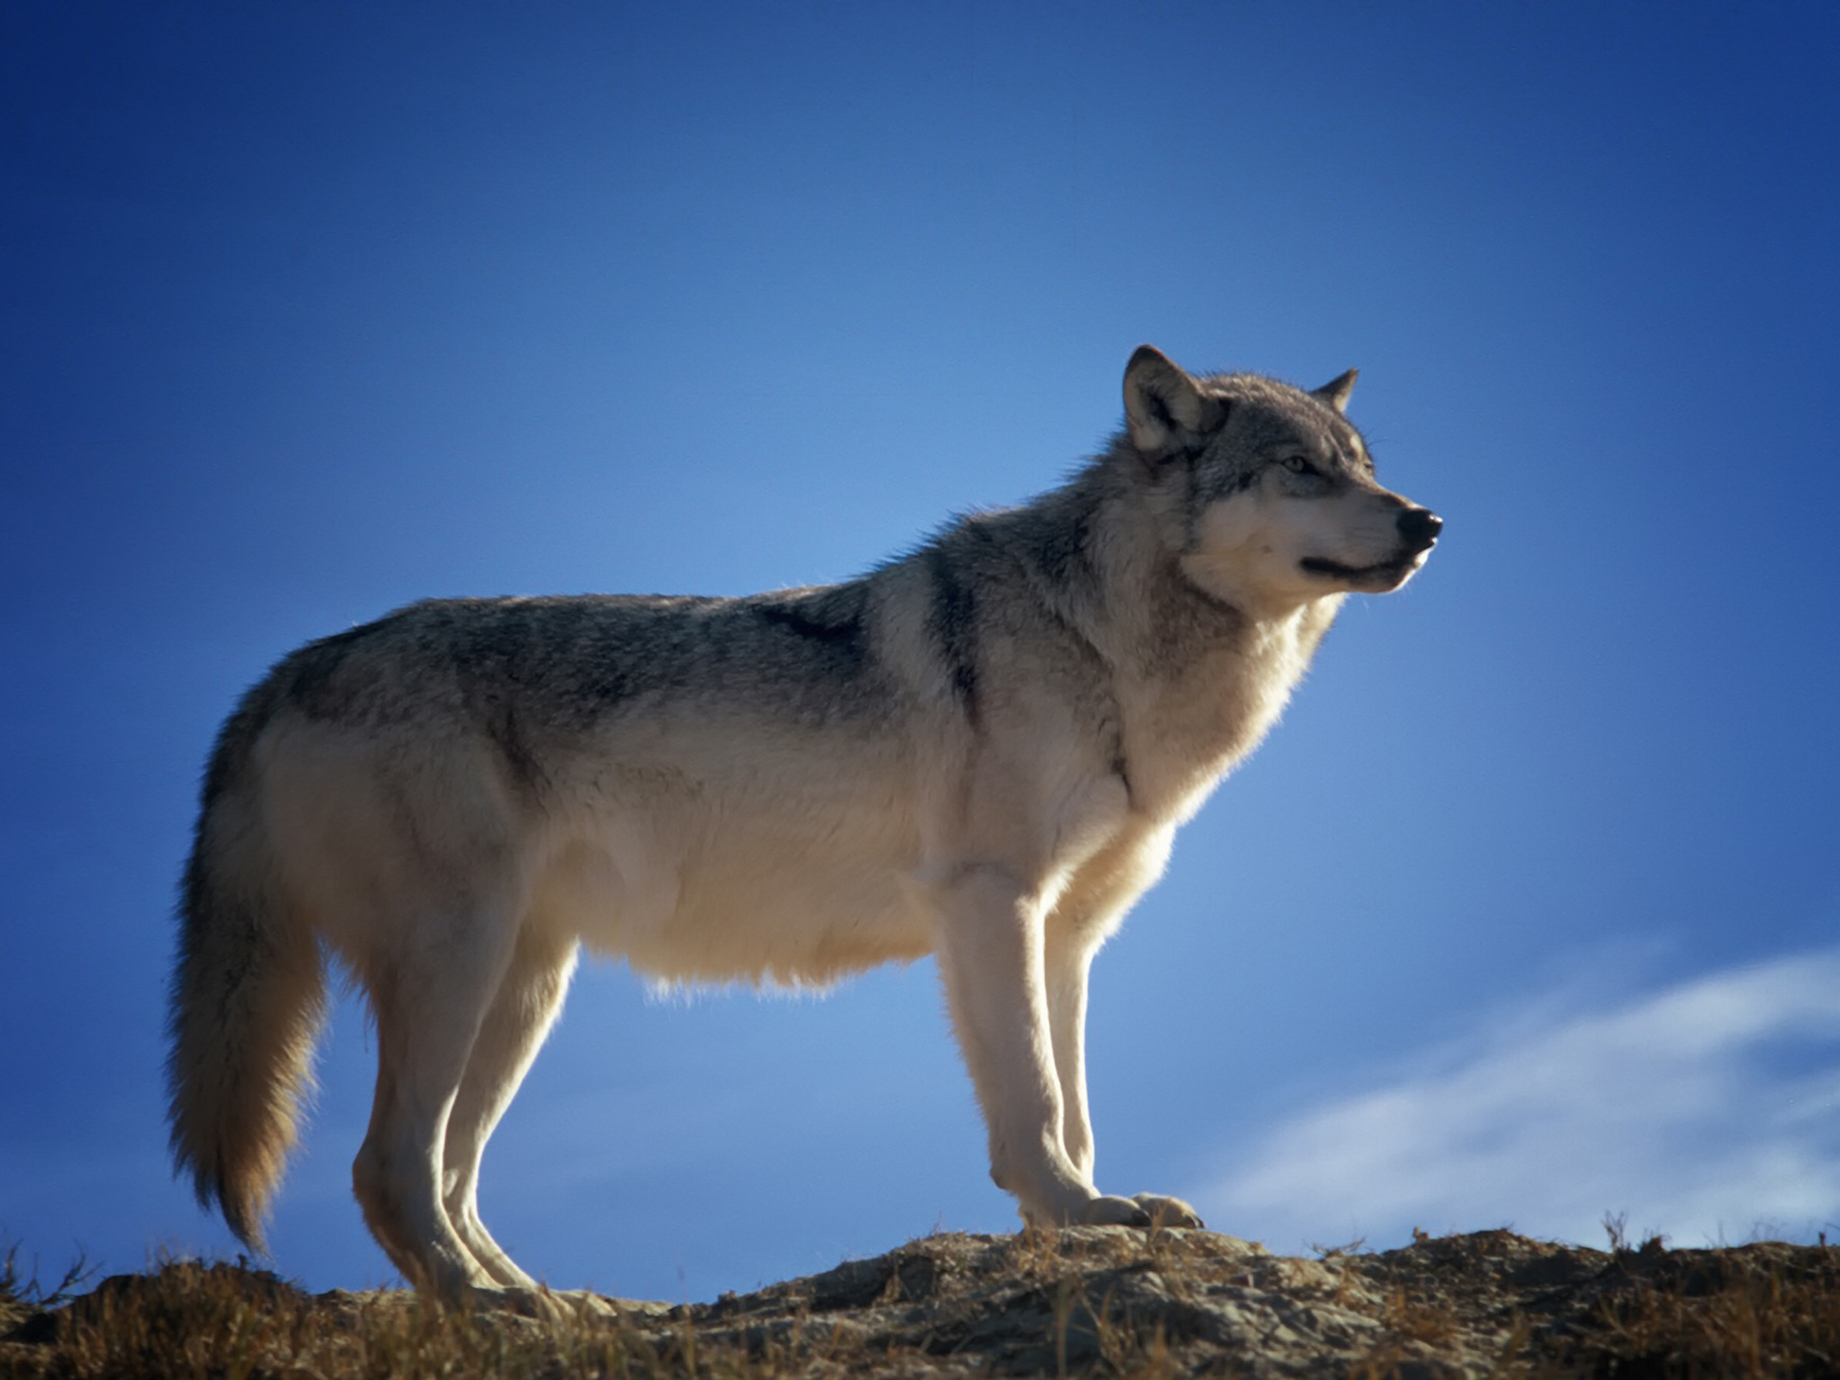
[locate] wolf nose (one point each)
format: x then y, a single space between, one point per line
1420 526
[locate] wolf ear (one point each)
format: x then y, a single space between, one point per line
1335 392
1164 408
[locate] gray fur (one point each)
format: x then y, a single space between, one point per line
979 750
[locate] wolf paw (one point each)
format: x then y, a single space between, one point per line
1166 1212
1108 1211
538 1303
1145 1210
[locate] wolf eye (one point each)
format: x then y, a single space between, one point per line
1296 464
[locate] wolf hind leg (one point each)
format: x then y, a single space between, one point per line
528 999
429 1003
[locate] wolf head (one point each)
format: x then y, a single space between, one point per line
1266 493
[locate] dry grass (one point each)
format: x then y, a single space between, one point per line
1741 1314
222 1322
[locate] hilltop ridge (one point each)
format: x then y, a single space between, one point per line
1099 1301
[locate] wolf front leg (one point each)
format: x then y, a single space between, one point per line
1068 954
1087 911
992 961
1068 958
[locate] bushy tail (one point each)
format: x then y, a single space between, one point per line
248 1000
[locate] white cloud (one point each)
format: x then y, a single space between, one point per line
1704 1111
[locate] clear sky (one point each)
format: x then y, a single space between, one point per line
1528 911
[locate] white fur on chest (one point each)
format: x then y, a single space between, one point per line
1183 735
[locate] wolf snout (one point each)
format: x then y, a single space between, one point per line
1419 528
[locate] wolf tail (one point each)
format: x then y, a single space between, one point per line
247 1003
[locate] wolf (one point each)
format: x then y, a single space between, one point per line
979 751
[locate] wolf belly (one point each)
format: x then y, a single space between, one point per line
702 890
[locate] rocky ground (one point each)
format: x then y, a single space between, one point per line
1100 1301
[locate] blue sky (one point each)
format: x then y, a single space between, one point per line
1528 911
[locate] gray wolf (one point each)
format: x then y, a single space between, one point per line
979 751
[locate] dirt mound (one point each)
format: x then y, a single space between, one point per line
1104 1301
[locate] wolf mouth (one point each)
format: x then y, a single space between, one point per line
1358 574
